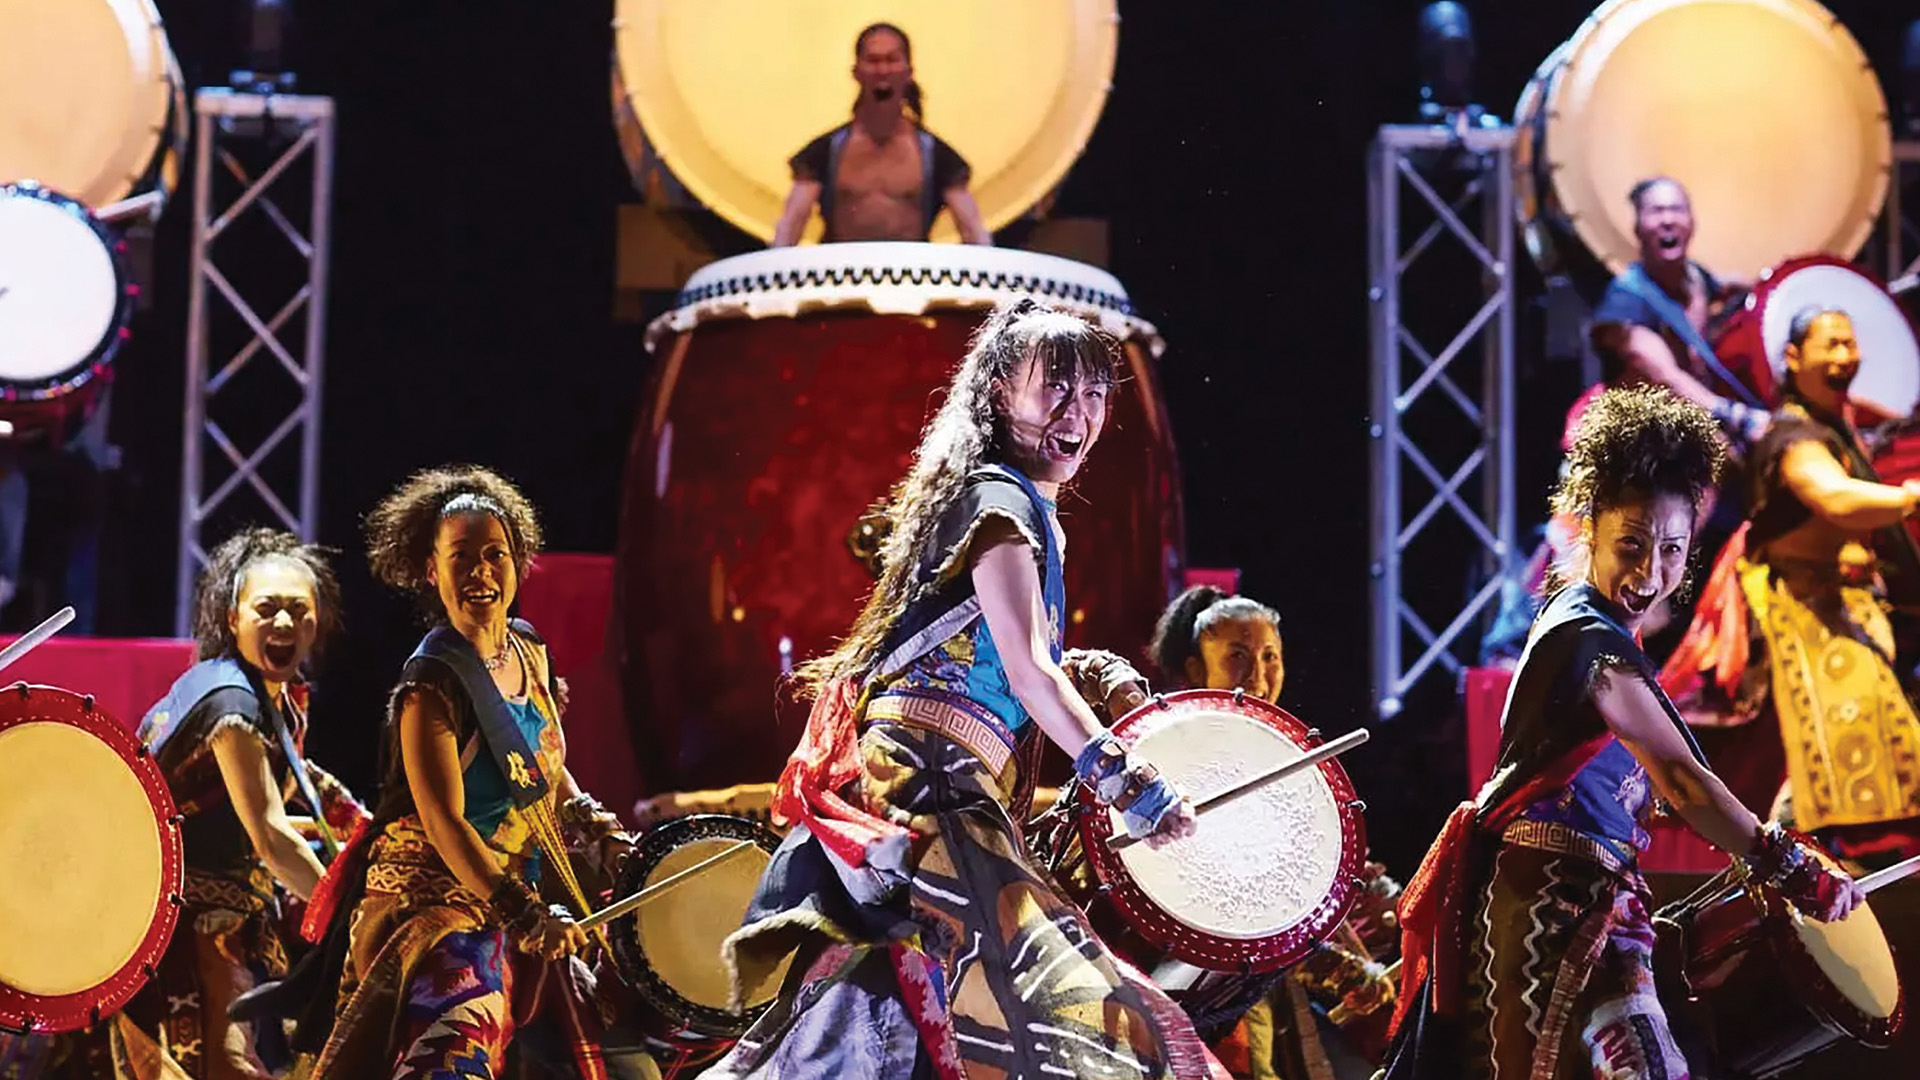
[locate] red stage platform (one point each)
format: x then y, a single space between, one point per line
1675 849
124 675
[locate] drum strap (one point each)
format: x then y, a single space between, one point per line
1636 281
298 764
526 783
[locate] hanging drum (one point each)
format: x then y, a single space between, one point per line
1765 110
711 99
788 393
90 861
92 104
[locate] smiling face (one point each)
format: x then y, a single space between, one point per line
473 569
1824 365
1240 654
275 618
881 66
1663 223
1052 419
1639 551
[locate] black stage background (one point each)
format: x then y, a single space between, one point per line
472 286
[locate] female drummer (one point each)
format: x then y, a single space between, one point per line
228 738
1527 942
920 936
476 807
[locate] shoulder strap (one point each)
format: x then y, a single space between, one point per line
163 720
929 198
1636 281
518 763
836 143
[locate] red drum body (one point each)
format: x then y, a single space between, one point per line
789 391
90 862
1265 876
1752 342
1765 987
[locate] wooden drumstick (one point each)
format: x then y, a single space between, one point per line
1333 749
621 907
33 638
1889 875
1340 1014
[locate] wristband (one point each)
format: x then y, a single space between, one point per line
515 907
1142 813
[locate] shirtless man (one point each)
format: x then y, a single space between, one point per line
882 176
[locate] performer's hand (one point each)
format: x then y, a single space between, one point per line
1822 892
1104 680
1180 822
555 935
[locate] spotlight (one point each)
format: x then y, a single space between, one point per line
1910 78
1446 60
267 23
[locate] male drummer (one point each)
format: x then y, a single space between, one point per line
1826 539
883 175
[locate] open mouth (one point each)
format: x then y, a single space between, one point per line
1669 243
280 655
480 597
883 92
1636 602
1062 447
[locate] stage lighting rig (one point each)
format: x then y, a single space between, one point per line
267 25
1910 79
1446 68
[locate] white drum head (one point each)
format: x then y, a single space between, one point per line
85 86
1254 866
82 855
1766 110
681 930
1889 378
728 90
1854 955
59 290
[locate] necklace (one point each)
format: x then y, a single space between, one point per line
499 659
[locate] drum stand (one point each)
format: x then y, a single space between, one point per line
221 117
1470 164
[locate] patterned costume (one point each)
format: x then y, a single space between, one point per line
429 985
923 941
1809 644
1527 943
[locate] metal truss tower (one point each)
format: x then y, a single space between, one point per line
230 126
1429 408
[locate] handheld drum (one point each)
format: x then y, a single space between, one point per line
706 869
1268 873
65 302
1771 987
90 861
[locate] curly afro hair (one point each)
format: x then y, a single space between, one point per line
225 574
402 529
1636 443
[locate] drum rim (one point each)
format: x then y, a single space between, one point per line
97 362
1875 1032
1578 224
1253 955
653 847
25 703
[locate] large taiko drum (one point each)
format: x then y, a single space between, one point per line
1766 110
710 99
90 861
1752 342
788 392
1765 987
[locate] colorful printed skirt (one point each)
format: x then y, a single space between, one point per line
981 970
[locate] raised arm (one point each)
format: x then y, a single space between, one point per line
248 776
966 216
1817 480
801 199
431 756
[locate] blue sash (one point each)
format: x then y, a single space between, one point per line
526 783
1636 281
163 720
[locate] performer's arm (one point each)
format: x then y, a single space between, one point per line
801 200
256 799
966 216
1648 355
1009 593
431 756
1816 478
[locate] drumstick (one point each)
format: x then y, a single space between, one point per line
1340 1014
1889 875
1333 749
30 640
621 907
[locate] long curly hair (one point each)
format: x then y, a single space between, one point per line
218 591
1635 443
967 431
402 529
1176 636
